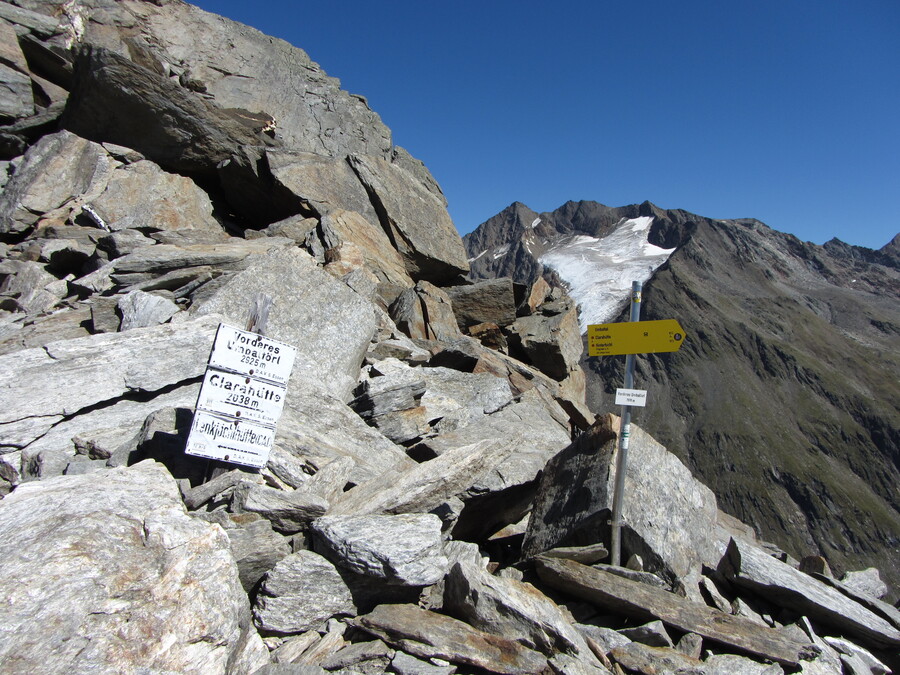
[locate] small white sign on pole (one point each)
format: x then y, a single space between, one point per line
230 440
240 351
632 397
241 398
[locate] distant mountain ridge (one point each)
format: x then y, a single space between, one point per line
785 398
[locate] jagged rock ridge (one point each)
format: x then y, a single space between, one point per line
784 398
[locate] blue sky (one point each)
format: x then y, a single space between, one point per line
785 111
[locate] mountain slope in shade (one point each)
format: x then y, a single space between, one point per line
785 398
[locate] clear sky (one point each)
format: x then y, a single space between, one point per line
780 110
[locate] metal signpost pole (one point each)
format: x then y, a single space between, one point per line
624 433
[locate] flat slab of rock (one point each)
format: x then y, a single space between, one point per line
646 603
330 325
511 608
750 567
92 565
425 486
670 517
301 593
415 219
404 549
67 377
428 635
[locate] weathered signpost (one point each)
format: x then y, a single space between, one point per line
241 397
634 337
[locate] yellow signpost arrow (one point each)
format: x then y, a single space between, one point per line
635 337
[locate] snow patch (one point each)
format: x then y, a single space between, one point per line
599 271
471 260
537 221
502 251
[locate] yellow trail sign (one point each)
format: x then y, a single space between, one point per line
635 337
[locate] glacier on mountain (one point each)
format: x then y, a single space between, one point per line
598 271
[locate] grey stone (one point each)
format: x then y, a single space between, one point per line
652 634
331 642
490 301
288 510
440 391
300 593
256 547
327 184
643 659
607 638
140 309
316 429
869 663
669 516
502 495
867 582
360 241
564 664
372 656
40 23
424 486
329 324
258 73
749 567
427 635
690 644
586 555
512 609
117 101
142 195
425 313
57 170
732 664
32 287
406 664
103 560
68 379
403 549
17 99
644 603
415 220
551 343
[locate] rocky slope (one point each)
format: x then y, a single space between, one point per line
785 397
164 168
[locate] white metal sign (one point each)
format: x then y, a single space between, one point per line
632 397
241 397
230 440
251 354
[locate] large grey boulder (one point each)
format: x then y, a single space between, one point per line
316 429
117 578
55 173
551 343
403 549
511 608
748 566
116 100
415 219
300 593
259 73
72 386
491 300
329 324
142 195
670 517
426 313
327 184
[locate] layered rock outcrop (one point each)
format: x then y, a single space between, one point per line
385 532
